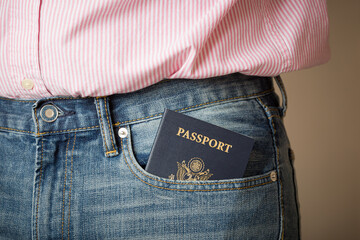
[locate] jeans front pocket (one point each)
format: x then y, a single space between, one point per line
245 117
240 208
139 172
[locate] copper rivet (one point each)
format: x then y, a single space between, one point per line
273 176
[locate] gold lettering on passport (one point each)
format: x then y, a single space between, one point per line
202 139
192 171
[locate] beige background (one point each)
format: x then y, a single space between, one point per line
323 125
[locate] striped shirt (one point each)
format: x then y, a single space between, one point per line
84 48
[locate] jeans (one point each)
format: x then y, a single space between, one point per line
74 168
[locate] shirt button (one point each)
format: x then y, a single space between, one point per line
27 84
123 132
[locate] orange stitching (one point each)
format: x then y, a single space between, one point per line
16 130
71 172
67 130
189 182
281 186
101 123
42 133
37 121
110 152
278 165
154 115
268 108
110 131
271 117
63 205
38 196
198 105
281 193
262 103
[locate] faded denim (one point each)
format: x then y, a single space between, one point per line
65 172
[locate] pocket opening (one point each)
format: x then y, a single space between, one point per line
181 185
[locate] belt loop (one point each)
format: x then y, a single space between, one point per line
106 127
283 93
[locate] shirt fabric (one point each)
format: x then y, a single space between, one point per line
84 48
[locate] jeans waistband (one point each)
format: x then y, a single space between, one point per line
57 115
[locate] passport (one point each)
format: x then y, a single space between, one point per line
190 149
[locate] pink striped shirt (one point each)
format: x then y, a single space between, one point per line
86 48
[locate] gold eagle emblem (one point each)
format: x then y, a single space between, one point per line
192 171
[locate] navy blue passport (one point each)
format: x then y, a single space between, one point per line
186 148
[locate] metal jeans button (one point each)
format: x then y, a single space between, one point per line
49 113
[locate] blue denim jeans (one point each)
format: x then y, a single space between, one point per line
73 168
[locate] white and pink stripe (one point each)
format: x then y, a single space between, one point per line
85 48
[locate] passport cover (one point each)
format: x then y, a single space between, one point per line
186 148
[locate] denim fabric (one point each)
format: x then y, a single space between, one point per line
65 172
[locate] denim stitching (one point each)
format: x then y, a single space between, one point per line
42 133
281 193
198 105
68 130
71 176
38 196
267 109
273 128
264 106
101 124
245 181
109 127
113 151
37 121
16 130
192 190
63 201
154 115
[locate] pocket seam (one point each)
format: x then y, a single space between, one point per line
268 109
268 112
